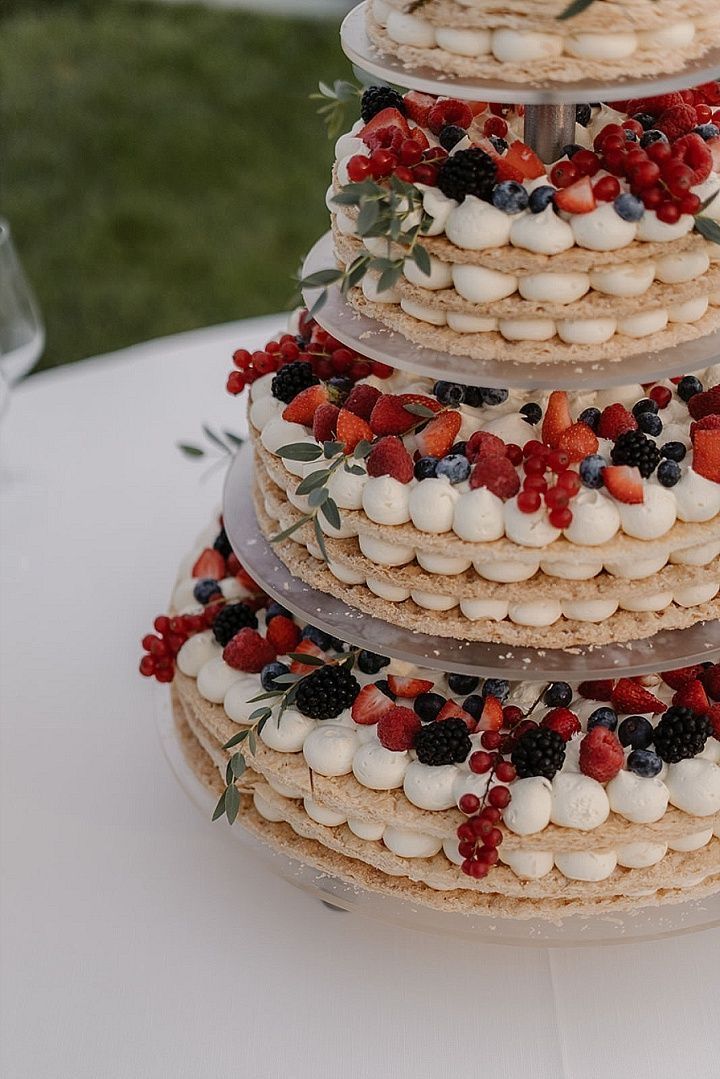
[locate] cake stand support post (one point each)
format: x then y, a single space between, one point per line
548 128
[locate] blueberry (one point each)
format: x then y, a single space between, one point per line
428 705
274 609
645 763
628 207
449 393
645 404
631 136
491 396
499 144
570 150
453 467
688 386
205 589
496 687
474 705
463 683
540 198
532 413
707 131
425 468
673 451
510 197
591 470
317 636
451 135
370 663
382 685
557 695
668 473
602 717
590 416
646 121
650 423
473 396
636 732
583 113
341 383
269 673
459 447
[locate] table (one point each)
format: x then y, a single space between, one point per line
136 943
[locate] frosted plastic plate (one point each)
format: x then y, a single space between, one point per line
370 338
664 651
650 924
359 49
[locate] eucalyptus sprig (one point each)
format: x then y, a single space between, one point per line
336 99
707 226
225 443
392 211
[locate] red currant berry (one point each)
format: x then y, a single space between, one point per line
586 162
678 177
563 174
404 174
606 189
488 856
528 501
704 113
382 163
494 837
235 383
535 483
480 762
653 197
569 481
499 797
534 466
480 827
607 131
425 174
506 772
147 666
644 175
558 460
668 212
491 813
465 832
490 739
614 161
358 168
410 152
242 358
469 804
633 125
466 849
478 870
689 204
495 125
381 370
162 623
533 448
661 395
511 715
560 518
556 498
659 151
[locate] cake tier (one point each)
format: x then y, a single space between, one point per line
516 41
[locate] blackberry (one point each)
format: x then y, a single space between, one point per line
377 98
636 449
231 619
681 734
222 544
370 663
326 692
539 752
450 136
583 114
291 380
443 742
468 172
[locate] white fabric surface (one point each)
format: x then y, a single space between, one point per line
136 943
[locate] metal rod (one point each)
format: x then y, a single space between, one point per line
548 128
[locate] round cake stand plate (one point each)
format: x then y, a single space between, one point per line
360 50
651 923
372 339
664 651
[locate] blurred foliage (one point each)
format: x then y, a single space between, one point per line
162 168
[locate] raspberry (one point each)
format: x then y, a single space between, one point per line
601 755
484 444
362 400
694 152
615 421
498 475
563 721
676 121
248 651
389 457
449 111
677 678
706 403
283 634
398 728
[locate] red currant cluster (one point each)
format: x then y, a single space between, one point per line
326 355
406 158
538 460
170 635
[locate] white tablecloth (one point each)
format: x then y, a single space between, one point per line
136 942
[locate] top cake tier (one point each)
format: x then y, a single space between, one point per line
529 41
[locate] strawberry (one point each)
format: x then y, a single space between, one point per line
624 483
408 687
306 648
676 679
498 475
449 111
361 400
631 699
453 710
707 423
384 119
248 651
714 716
398 729
693 696
283 634
557 418
601 755
693 151
370 705
600 690
706 403
525 160
302 408
706 454
436 439
417 106
390 417
505 170
578 441
491 717
578 198
562 721
388 457
210 564
484 444
615 421
677 121
713 146
351 430
710 678
418 135
324 423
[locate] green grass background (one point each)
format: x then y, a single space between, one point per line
162 167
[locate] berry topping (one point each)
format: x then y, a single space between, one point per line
562 721
209 564
636 732
693 151
706 454
592 470
370 662
629 698
326 692
207 589
636 449
681 734
578 198
362 399
370 705
230 619
455 467
677 678
491 716
291 380
417 106
398 728
539 752
601 755
468 172
624 483
377 98
428 706
677 121
390 416
248 651
351 430
305 404
449 111
324 422
437 438
578 441
557 418
408 687
600 690
615 420
644 763
522 158
510 197
306 648
629 207
388 457
692 695
484 444
283 634
705 403
603 717
269 673
381 122
443 742
498 475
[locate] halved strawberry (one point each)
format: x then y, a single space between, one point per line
677 678
578 441
385 118
491 717
578 198
307 648
557 418
370 705
302 408
325 423
362 399
505 170
436 439
694 152
693 696
624 483
629 698
390 416
351 429
525 160
598 690
408 687
706 454
210 564
417 106
707 423
453 710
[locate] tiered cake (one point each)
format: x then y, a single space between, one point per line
534 524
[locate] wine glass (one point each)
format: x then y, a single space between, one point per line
22 334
